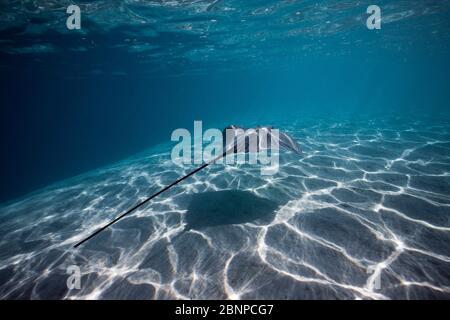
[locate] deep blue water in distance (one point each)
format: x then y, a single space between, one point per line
54 127
85 125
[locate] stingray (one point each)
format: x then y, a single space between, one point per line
235 139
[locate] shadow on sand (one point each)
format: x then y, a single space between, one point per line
227 207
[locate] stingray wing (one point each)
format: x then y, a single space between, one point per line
287 142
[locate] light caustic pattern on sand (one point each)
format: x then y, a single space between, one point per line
364 214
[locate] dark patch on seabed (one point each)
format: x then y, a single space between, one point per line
368 200
218 208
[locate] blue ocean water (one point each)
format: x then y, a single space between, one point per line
86 119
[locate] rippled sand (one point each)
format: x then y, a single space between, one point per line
365 213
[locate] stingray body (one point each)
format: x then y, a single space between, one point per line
239 139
